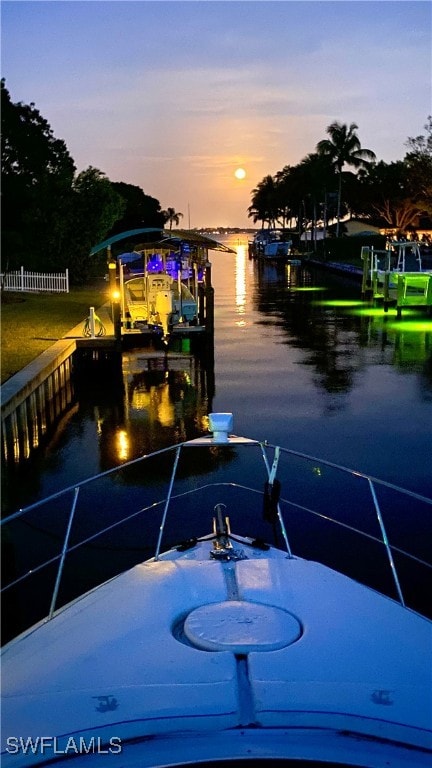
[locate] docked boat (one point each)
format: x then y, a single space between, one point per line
277 249
223 648
271 244
158 301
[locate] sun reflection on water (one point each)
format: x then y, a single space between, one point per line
240 283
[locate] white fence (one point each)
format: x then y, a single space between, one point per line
35 282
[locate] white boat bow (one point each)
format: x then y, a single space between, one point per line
224 649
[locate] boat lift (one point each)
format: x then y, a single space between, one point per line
191 249
396 276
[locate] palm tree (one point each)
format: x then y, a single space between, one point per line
265 203
172 216
342 147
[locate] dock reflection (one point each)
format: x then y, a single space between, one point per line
166 400
157 399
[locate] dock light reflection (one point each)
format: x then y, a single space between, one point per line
309 288
122 444
374 312
98 421
360 309
411 326
339 303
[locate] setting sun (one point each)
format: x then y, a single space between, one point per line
240 173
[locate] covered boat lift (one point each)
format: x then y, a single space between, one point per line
191 249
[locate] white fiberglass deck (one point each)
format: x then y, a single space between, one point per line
129 670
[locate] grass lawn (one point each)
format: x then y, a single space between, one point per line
32 322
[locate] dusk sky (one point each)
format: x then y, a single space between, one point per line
175 96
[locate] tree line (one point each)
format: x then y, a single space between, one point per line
320 188
51 215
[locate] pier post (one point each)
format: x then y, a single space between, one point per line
400 293
386 289
92 323
366 280
209 301
115 298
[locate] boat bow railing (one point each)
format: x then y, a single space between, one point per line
281 506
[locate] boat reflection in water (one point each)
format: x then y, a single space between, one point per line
168 393
165 399
156 398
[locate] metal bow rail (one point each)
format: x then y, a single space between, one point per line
272 491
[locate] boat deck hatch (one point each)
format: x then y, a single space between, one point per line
241 627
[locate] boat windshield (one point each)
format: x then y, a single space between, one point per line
185 292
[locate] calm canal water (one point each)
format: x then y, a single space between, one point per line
298 359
